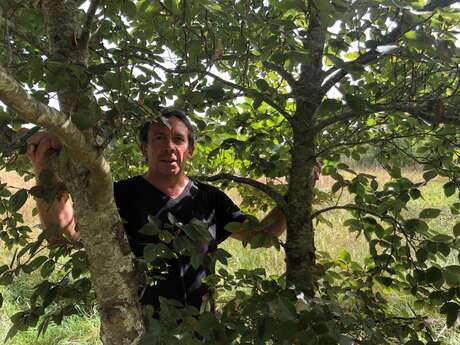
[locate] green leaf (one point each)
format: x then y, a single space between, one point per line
451 310
356 103
213 92
441 238
292 4
234 227
455 208
449 189
456 230
395 172
433 275
222 255
172 219
329 107
430 213
344 256
196 260
416 225
1 300
430 174
150 229
129 9
451 275
421 255
154 251
18 200
3 268
6 278
47 268
262 85
34 264
415 193
387 281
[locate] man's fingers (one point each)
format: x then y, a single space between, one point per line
31 151
40 152
37 137
317 170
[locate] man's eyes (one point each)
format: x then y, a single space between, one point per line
176 139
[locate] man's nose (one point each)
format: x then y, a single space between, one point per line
168 144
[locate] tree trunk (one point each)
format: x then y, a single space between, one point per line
111 261
300 248
300 242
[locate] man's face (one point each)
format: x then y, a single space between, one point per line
167 149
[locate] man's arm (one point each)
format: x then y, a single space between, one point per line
60 211
273 224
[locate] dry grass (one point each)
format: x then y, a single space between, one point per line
15 182
332 239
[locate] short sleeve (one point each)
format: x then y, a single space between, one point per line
226 212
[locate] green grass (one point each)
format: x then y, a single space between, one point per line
84 329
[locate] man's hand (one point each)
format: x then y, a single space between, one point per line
37 146
317 170
59 212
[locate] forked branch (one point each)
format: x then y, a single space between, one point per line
58 123
87 26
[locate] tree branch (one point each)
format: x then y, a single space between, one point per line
367 57
247 91
356 208
282 72
422 112
337 118
434 4
87 26
58 123
343 71
272 193
25 36
251 92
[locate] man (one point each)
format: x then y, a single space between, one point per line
164 189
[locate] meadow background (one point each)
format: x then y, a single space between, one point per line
84 329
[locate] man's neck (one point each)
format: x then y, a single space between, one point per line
171 185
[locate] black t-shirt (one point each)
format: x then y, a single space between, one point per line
136 199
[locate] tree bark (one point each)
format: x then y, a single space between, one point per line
300 242
87 176
300 248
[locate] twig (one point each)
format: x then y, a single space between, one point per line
369 56
272 193
342 72
252 92
282 72
87 26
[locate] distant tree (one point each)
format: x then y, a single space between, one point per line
273 86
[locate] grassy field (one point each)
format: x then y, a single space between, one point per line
84 329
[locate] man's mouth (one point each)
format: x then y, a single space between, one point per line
169 161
